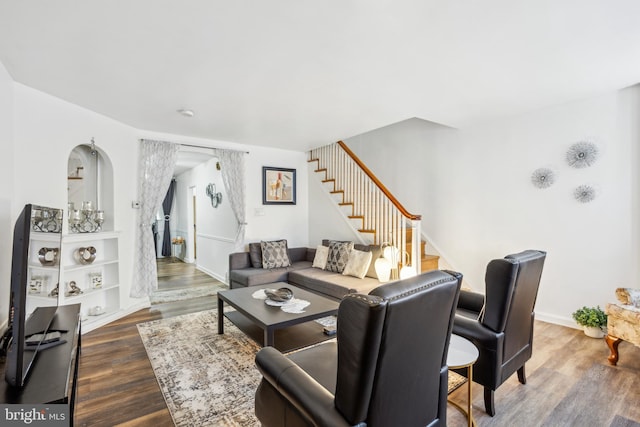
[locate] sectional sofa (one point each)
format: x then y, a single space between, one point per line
246 269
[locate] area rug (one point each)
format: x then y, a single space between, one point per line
207 379
161 297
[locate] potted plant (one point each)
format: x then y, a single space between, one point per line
592 320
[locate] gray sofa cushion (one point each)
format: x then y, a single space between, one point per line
255 253
260 276
329 283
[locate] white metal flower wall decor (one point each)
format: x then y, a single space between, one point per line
582 154
543 177
584 193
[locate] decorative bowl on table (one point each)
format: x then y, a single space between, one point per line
279 295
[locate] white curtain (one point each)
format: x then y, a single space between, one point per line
157 161
232 167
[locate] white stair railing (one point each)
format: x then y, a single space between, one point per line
381 215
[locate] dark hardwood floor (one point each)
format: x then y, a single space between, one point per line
569 380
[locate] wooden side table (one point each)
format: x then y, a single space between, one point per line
463 354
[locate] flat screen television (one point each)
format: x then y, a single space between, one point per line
32 307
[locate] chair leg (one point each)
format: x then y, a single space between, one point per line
613 344
489 406
521 375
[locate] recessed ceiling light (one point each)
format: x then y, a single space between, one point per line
186 113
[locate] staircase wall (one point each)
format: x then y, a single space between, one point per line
325 220
473 187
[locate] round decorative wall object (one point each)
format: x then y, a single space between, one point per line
543 177
584 193
582 154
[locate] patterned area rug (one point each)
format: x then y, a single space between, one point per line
160 297
208 379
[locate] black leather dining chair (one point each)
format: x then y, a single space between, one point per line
386 368
500 322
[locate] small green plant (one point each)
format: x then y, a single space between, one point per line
590 316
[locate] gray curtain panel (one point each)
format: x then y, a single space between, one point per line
166 209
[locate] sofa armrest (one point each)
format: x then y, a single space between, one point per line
239 260
301 390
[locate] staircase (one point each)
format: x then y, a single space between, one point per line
375 213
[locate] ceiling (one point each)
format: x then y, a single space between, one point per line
298 74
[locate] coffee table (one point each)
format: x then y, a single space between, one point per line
269 318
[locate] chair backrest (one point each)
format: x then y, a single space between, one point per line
511 290
392 351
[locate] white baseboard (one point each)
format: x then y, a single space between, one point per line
212 274
557 320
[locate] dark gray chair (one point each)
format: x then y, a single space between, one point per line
387 368
500 323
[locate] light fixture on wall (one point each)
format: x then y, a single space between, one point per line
216 197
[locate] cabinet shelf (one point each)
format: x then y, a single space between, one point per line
43 296
105 265
89 237
43 267
88 292
93 265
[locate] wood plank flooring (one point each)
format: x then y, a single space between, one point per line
175 274
569 379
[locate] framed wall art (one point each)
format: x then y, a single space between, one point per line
278 186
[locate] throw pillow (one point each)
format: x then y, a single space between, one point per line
338 256
358 264
255 253
275 254
320 259
376 252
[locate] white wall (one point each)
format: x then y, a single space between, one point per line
6 186
264 222
46 130
216 227
327 222
473 188
42 130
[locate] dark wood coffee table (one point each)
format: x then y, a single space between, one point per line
269 318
